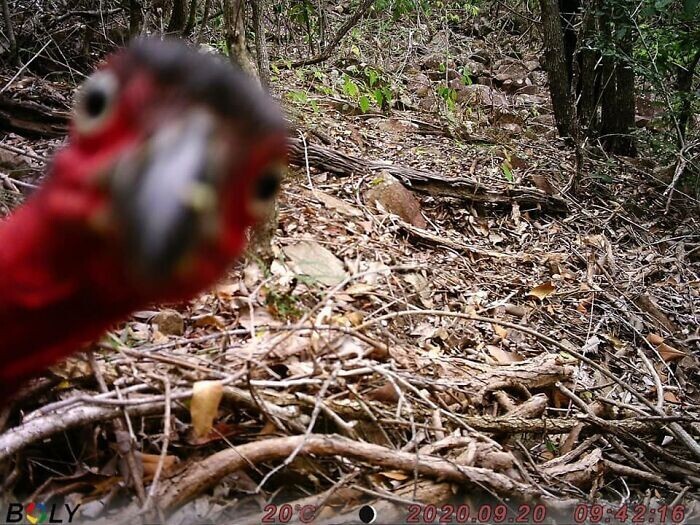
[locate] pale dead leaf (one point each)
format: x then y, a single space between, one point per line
360 289
206 396
543 290
318 263
503 357
333 203
227 291
422 287
252 275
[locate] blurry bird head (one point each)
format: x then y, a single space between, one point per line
172 154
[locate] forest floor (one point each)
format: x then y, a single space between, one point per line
414 338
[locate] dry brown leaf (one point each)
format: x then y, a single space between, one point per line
210 320
500 331
206 396
150 464
503 357
671 397
396 475
386 393
655 339
268 429
543 290
668 353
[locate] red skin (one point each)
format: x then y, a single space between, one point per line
64 280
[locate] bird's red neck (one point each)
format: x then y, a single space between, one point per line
48 307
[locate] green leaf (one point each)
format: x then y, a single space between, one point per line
364 104
298 97
507 173
388 94
350 88
551 447
379 97
372 76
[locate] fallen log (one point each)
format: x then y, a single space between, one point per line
32 119
342 164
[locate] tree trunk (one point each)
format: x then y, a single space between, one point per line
618 102
178 17
557 71
191 18
205 20
260 245
588 78
626 101
569 12
259 7
234 30
325 54
135 18
9 30
684 85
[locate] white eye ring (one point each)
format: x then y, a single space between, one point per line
94 101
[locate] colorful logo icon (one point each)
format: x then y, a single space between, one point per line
36 513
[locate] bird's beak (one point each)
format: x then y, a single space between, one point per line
166 194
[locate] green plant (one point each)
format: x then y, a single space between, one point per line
283 305
367 86
448 95
302 98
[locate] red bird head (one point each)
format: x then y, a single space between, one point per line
172 155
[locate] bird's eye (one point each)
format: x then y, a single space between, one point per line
268 184
94 101
265 188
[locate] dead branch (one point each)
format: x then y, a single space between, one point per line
462 188
35 430
203 475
